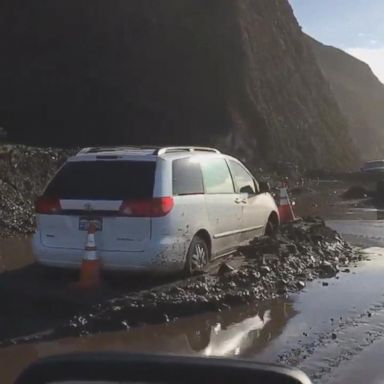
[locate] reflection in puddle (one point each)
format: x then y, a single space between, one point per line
230 333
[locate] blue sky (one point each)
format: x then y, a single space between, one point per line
357 26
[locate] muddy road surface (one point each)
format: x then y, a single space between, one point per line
332 329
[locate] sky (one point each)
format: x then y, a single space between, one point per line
356 26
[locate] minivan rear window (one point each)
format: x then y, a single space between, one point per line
104 180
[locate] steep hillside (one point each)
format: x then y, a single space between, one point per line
232 73
360 95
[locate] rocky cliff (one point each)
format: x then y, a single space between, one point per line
232 73
360 95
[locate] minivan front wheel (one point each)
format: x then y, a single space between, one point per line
197 257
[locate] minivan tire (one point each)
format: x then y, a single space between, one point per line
197 256
271 228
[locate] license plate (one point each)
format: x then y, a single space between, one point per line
85 222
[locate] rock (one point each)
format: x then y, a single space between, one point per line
270 258
225 268
327 269
325 284
256 275
292 248
177 291
334 336
300 285
347 270
232 285
202 289
264 270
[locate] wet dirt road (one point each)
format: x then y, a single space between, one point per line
333 330
325 330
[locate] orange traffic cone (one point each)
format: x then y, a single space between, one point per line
285 207
90 271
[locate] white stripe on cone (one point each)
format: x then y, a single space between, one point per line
90 246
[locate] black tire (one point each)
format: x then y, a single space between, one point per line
197 256
271 228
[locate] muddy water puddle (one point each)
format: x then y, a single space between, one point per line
232 333
15 253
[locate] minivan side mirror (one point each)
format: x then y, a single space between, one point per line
264 187
247 189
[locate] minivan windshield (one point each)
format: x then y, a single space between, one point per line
104 180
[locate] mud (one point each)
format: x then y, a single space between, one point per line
338 326
356 192
265 269
321 329
227 333
15 253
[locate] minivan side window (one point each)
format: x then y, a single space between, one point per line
187 177
217 178
244 182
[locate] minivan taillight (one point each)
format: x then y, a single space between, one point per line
155 207
47 205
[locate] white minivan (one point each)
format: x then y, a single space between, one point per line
158 210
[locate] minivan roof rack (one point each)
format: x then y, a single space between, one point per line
162 151
156 150
115 149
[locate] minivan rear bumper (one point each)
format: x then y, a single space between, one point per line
163 256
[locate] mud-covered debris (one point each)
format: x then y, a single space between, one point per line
24 172
327 269
225 268
263 245
269 267
356 192
264 269
301 284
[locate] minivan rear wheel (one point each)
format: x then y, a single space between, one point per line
197 257
271 228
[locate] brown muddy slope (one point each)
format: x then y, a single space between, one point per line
232 73
359 93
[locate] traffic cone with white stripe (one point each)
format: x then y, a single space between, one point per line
285 207
90 271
